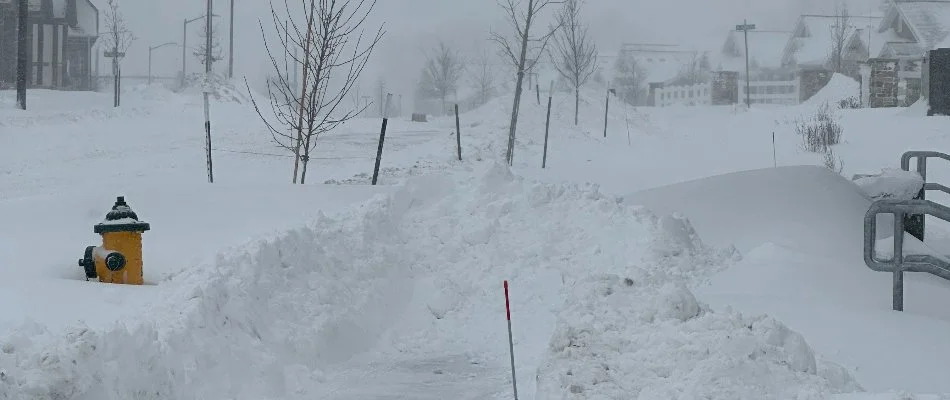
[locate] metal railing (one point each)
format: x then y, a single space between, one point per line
908 217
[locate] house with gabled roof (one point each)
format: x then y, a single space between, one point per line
913 27
812 42
61 35
765 52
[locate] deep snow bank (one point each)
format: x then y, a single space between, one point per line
839 87
419 272
625 340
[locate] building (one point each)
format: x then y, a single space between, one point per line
61 35
765 53
812 43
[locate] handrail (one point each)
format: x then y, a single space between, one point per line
899 262
916 222
909 216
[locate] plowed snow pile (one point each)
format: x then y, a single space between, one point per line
600 302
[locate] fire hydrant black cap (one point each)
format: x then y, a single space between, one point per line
121 219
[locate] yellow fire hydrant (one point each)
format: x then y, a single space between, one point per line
119 259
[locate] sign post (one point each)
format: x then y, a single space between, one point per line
745 28
115 55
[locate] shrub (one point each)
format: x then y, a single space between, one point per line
820 131
852 102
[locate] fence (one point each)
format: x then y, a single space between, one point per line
762 92
692 95
772 92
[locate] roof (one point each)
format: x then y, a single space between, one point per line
928 20
660 62
898 50
765 49
811 42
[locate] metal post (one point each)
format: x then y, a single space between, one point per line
207 104
748 91
231 51
511 343
379 151
458 132
23 16
184 49
606 112
898 299
547 128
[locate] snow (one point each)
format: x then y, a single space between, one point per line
766 49
668 260
839 87
928 20
892 183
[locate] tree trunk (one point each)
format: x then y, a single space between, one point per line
303 90
519 86
577 104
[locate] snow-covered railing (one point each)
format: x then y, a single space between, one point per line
908 217
689 95
771 92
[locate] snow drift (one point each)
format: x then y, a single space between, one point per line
839 88
415 270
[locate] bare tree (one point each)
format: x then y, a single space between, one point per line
841 31
482 78
443 71
117 39
575 55
522 50
629 78
694 71
334 52
201 52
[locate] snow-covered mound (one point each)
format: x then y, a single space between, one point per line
800 230
839 88
918 109
627 340
417 270
784 205
891 183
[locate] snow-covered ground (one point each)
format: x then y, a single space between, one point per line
638 270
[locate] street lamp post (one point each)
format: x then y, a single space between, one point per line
150 49
184 45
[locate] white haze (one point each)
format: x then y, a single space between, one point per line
412 26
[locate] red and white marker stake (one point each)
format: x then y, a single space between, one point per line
511 343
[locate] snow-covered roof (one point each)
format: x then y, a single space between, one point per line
87 20
765 49
928 20
661 62
898 50
812 40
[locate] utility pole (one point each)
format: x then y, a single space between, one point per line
231 51
23 13
745 28
207 104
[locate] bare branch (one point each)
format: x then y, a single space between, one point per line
331 49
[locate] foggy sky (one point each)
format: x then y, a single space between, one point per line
416 25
